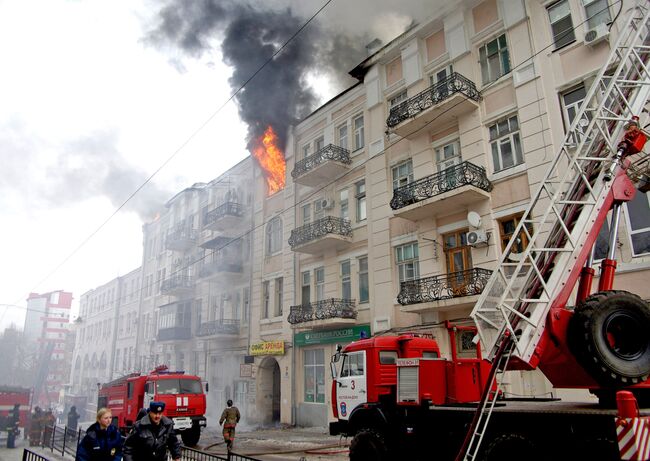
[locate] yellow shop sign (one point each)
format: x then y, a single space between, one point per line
268 348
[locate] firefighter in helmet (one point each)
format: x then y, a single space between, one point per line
231 417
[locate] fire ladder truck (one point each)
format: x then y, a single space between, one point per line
522 316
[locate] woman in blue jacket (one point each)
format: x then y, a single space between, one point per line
102 441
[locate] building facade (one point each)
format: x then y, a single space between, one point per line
401 195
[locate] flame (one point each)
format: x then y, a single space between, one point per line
271 159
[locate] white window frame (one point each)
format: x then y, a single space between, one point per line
566 35
603 15
360 196
398 98
359 132
342 133
442 161
319 283
402 174
407 268
346 278
511 137
273 236
363 274
503 59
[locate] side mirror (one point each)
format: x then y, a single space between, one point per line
207 387
333 370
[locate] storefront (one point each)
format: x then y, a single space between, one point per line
313 381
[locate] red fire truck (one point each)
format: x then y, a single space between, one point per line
391 395
182 393
9 397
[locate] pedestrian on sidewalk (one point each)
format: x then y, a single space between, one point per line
73 418
231 417
152 436
102 442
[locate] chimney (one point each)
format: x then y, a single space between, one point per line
373 46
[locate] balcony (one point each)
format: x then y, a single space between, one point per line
225 327
441 193
226 216
225 268
443 292
177 285
181 239
174 333
215 243
443 102
323 166
328 232
323 314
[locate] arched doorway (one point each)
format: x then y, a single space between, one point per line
269 395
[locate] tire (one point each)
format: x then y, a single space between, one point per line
368 445
191 436
511 447
608 334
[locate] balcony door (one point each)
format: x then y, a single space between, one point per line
439 76
458 256
447 157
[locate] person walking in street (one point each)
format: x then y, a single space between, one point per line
152 436
231 417
102 442
73 418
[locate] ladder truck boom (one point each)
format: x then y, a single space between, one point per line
570 204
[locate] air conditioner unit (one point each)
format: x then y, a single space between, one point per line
596 35
327 204
477 238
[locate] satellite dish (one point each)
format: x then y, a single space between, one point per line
474 219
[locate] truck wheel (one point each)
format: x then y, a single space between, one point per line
511 447
191 436
608 334
367 445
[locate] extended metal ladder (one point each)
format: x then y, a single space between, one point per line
519 294
511 312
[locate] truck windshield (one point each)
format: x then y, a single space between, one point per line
179 386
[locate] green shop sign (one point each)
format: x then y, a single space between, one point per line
344 335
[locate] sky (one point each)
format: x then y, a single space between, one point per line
98 96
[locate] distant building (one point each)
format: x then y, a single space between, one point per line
46 329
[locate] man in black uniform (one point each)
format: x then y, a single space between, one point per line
151 437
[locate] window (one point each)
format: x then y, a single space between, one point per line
402 174
306 288
398 98
314 361
305 151
346 280
363 280
319 144
361 200
448 155
319 211
359 139
506 144
387 357
638 216
601 247
561 24
343 135
265 300
245 304
343 204
571 102
440 75
353 365
319 276
597 12
273 236
306 214
407 259
494 59
507 227
279 286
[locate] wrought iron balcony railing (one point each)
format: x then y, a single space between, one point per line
320 228
463 174
176 282
226 209
445 286
220 266
435 94
174 333
182 233
329 152
321 310
215 327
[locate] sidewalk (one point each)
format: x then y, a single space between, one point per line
16 454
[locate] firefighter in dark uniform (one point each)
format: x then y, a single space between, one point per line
13 420
151 437
231 417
